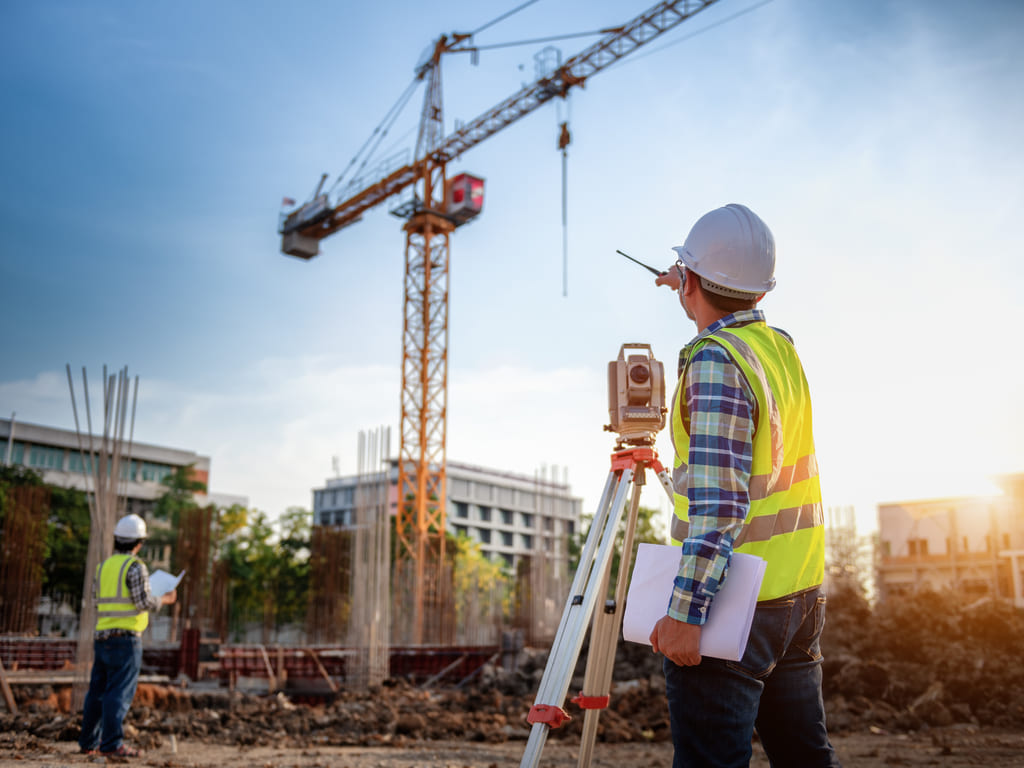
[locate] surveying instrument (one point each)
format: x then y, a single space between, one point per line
636 405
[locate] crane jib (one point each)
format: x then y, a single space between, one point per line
317 222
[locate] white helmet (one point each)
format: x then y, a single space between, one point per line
130 527
732 251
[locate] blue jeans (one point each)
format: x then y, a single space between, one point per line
776 688
115 674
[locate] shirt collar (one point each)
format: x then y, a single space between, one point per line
743 317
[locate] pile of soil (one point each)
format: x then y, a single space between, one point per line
911 664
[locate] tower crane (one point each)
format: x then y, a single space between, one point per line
437 207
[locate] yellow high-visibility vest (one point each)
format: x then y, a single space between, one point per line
114 605
784 524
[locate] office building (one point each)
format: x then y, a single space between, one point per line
965 545
57 455
510 516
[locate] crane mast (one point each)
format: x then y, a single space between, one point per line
420 549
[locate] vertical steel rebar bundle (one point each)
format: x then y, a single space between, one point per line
370 621
101 458
192 554
330 573
21 557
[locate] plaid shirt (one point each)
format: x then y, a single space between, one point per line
138 587
722 415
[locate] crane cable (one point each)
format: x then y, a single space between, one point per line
379 133
382 128
503 16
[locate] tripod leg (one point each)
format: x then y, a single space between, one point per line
604 636
666 483
547 711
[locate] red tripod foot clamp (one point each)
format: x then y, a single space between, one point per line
550 715
590 702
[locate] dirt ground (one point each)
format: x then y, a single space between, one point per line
948 749
919 682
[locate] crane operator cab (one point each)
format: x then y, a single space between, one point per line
464 198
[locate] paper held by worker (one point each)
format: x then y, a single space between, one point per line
161 582
725 633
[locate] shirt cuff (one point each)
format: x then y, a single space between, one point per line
687 607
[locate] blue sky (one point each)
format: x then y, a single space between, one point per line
146 147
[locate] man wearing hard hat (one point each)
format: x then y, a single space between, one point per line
123 601
746 480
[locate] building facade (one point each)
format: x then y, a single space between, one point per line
510 516
57 455
968 545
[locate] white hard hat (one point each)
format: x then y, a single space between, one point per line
130 527
732 250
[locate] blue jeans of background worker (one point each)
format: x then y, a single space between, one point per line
115 674
776 687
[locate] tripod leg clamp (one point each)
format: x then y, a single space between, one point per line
591 702
548 714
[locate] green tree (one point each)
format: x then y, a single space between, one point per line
479 582
292 577
268 566
650 529
179 496
67 532
67 544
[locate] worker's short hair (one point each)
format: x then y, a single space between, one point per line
124 545
728 304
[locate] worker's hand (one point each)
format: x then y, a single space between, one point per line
169 597
669 277
678 640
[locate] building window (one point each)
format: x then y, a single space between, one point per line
485 535
485 514
155 472
527 540
526 520
46 457
507 516
917 546
461 530
549 524
570 528
506 538
78 463
462 509
17 451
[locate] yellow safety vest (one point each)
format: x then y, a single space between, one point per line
115 609
784 524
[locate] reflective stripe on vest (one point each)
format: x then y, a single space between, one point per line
785 522
114 606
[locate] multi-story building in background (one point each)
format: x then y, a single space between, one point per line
510 516
61 460
968 545
59 457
